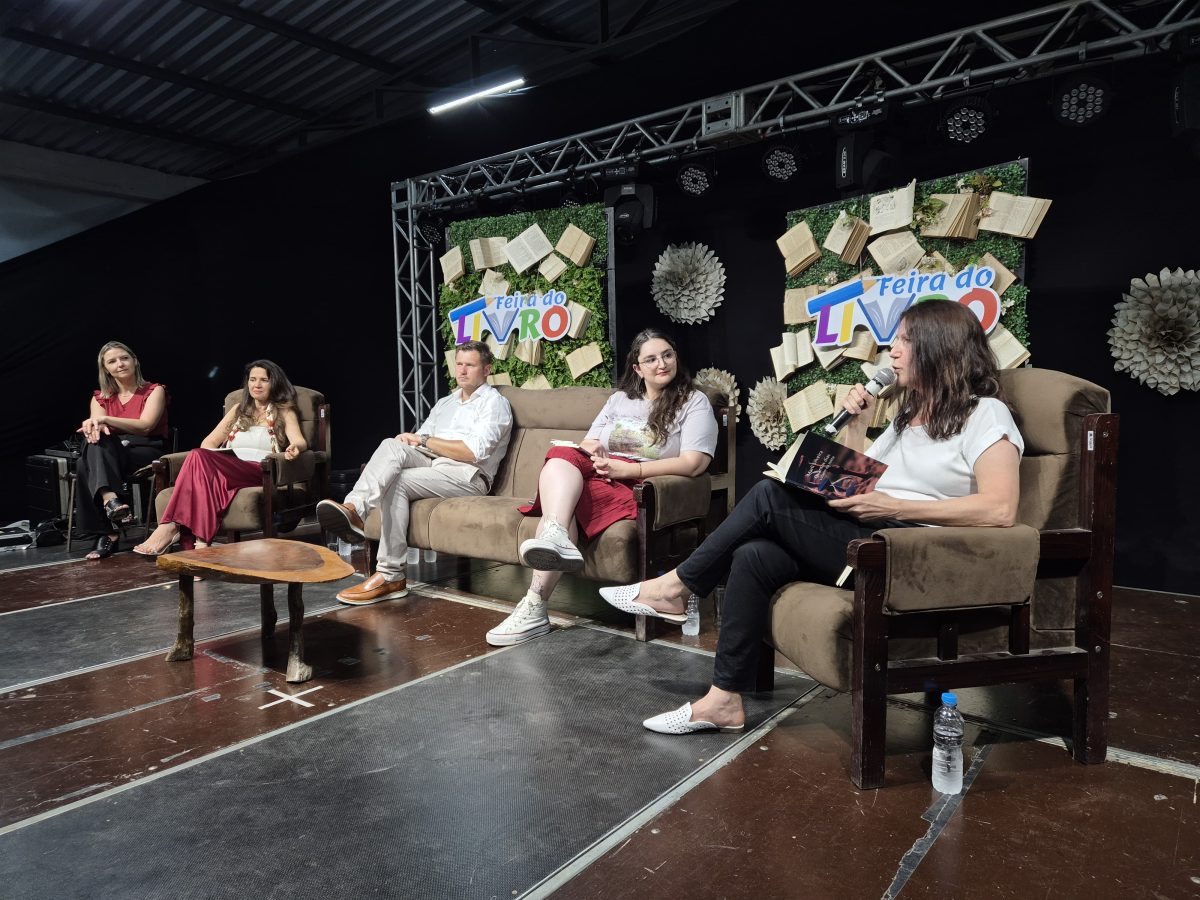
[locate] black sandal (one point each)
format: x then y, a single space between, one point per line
119 512
106 546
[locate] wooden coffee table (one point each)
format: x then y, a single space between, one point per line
266 563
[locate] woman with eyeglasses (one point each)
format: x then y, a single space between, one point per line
656 423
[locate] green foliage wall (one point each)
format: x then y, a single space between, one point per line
583 285
829 269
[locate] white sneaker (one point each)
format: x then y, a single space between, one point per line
527 621
552 551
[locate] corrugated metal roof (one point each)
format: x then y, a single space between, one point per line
191 86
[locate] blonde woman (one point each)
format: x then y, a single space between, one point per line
124 431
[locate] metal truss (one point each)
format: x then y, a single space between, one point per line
1020 48
416 319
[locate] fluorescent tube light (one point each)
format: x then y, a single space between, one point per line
486 92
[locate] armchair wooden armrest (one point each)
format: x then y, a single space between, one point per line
674 498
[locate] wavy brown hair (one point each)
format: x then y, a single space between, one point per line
282 396
951 367
108 384
669 403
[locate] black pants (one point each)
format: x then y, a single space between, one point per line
775 535
105 465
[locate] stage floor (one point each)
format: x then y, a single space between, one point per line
419 761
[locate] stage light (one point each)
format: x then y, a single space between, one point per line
696 173
633 210
432 226
781 162
486 92
1081 99
966 119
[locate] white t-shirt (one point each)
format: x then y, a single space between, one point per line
252 444
622 427
920 468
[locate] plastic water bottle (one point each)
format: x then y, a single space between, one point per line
947 746
692 625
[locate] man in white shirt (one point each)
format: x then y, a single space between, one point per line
455 453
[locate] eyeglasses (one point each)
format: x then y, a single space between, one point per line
666 356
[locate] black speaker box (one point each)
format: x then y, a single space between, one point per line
1185 100
45 487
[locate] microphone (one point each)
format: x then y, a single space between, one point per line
881 379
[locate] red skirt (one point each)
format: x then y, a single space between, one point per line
204 490
601 503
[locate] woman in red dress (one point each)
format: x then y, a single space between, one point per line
262 423
124 431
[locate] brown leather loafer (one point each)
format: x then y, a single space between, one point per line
373 590
340 519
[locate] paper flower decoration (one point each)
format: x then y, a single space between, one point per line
725 383
1156 331
768 419
688 283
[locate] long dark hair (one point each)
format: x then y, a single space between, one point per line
282 396
951 367
669 403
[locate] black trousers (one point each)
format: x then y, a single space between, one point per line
105 465
775 535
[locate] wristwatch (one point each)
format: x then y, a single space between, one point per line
424 440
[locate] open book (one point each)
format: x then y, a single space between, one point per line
826 468
630 456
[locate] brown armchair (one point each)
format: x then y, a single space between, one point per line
290 489
942 608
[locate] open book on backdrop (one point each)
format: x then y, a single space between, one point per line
826 468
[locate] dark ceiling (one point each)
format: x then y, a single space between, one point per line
213 88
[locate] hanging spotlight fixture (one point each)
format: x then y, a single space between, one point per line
432 226
697 173
781 162
965 119
1081 99
632 209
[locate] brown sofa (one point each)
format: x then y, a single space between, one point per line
672 509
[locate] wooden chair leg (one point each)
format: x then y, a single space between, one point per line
868 731
1090 711
868 726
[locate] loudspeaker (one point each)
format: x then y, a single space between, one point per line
852 147
633 210
45 487
1185 100
859 164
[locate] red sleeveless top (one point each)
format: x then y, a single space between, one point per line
132 408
